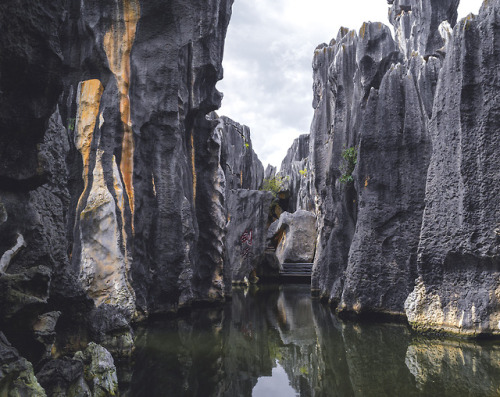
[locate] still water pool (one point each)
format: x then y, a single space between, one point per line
277 341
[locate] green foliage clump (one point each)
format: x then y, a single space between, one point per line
71 124
303 172
349 160
274 184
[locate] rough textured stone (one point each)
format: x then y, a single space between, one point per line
110 175
269 172
16 373
376 98
241 165
294 168
458 257
99 370
64 377
247 212
296 235
102 144
416 24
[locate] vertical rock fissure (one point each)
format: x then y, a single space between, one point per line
118 43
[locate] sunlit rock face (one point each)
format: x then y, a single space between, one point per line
458 289
416 24
374 95
110 179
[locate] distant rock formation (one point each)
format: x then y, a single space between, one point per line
294 168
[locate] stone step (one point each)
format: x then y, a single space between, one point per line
291 270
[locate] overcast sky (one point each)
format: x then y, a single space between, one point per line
267 63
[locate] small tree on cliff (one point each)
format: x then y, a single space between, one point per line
274 184
349 160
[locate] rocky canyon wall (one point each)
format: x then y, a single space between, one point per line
112 192
403 164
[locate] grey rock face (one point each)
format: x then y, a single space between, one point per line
88 185
100 370
16 373
458 257
110 176
376 98
269 172
296 234
419 114
242 168
247 212
416 24
294 168
336 215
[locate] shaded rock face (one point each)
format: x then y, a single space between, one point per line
242 167
89 373
247 212
415 220
296 235
16 373
111 189
294 168
375 97
458 257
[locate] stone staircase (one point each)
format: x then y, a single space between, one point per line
296 271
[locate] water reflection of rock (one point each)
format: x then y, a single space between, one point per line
459 368
223 352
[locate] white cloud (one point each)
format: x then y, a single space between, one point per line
267 63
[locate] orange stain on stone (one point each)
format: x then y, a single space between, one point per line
89 101
118 43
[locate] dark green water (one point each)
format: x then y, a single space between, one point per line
277 341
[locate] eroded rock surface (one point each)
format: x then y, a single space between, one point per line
246 234
111 188
294 168
458 288
16 373
373 97
296 235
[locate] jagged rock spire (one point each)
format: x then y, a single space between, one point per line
417 22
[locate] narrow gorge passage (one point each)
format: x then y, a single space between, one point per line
130 205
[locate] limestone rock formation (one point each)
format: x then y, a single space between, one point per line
247 212
242 167
373 98
16 373
458 288
403 145
294 168
296 235
111 189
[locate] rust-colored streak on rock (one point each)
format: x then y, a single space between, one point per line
118 43
103 267
89 101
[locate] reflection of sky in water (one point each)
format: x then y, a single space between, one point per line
275 341
276 385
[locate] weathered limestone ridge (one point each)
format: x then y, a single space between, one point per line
458 286
412 218
112 192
